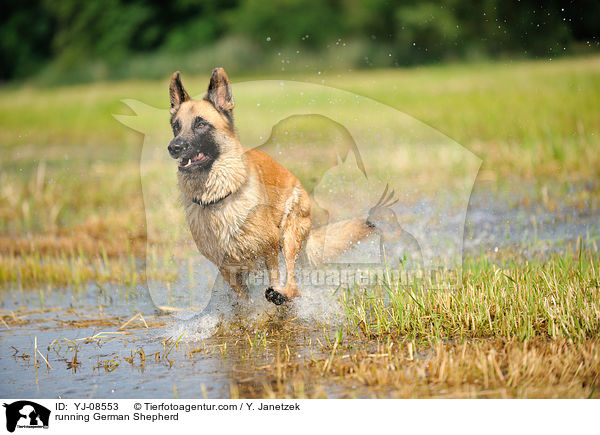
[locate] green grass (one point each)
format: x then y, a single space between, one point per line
556 298
544 107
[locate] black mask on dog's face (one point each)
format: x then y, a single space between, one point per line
193 145
198 124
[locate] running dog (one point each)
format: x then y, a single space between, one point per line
242 207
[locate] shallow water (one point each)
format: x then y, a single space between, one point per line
517 220
229 343
209 352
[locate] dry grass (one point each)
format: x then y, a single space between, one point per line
475 369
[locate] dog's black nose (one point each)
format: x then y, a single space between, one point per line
175 148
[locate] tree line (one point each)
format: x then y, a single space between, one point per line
68 33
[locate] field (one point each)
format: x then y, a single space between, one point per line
92 242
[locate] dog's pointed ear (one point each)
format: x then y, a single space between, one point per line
177 92
219 91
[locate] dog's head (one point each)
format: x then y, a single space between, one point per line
203 129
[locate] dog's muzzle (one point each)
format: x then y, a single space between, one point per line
176 148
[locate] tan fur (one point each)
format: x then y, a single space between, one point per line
266 211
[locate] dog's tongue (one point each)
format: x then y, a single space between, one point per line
184 163
199 157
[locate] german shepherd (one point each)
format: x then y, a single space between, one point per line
243 208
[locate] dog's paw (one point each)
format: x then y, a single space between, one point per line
275 297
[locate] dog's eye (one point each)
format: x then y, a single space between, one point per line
176 128
199 123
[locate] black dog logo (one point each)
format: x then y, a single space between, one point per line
24 413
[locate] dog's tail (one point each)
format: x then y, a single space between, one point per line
328 241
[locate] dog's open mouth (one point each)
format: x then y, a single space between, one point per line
199 159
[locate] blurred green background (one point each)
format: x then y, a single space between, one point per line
68 41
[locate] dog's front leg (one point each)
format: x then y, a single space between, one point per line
291 248
272 293
235 276
272 263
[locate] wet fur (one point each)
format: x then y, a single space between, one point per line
258 208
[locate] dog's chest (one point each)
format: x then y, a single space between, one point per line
220 230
